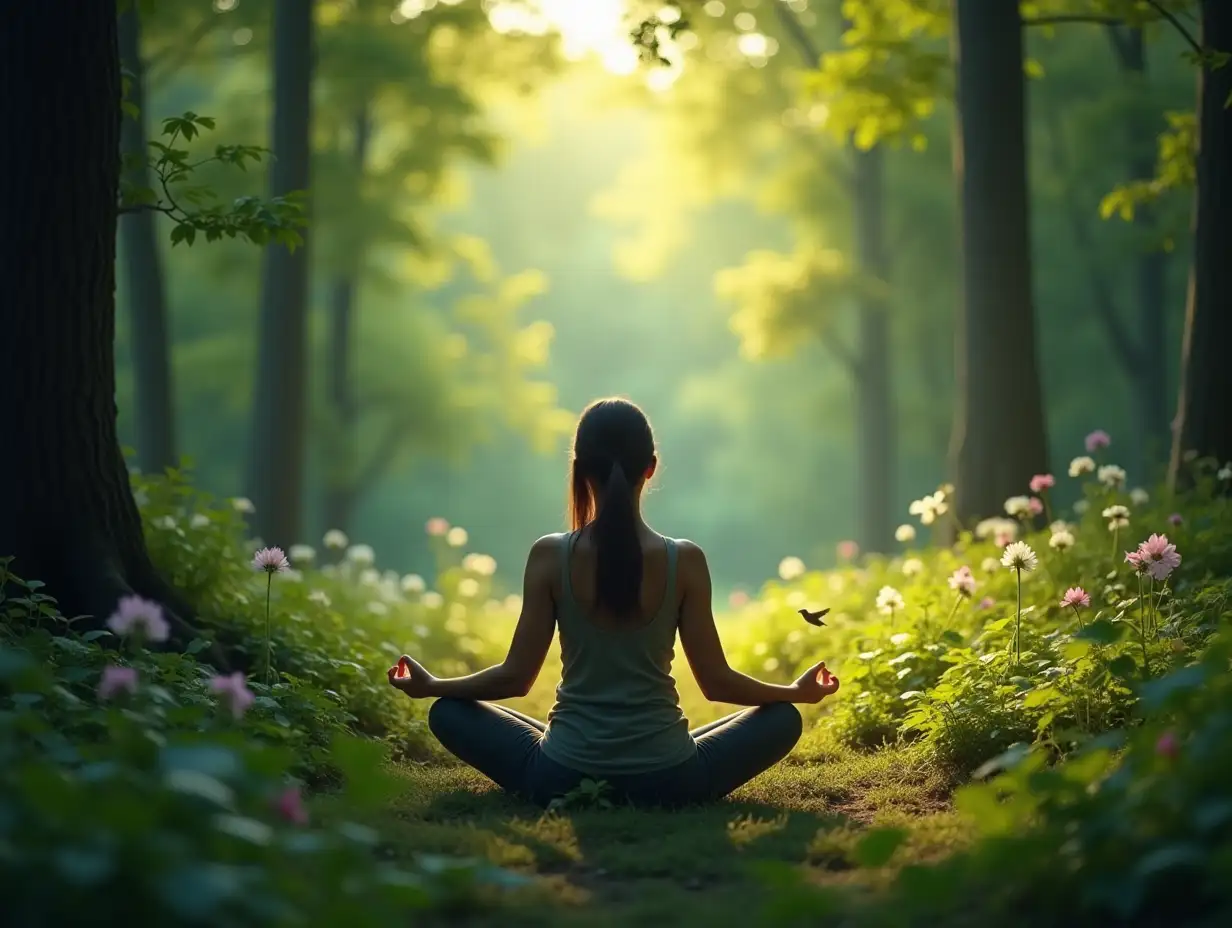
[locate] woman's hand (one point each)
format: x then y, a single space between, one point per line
815 684
410 676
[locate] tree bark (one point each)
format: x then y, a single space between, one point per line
153 408
276 465
1148 369
67 514
875 419
1202 422
999 439
340 489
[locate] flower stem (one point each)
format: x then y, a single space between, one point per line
269 584
1018 623
1146 661
950 617
1115 534
1078 615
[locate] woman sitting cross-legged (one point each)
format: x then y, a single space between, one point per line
618 592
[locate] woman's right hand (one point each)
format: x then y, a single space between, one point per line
815 684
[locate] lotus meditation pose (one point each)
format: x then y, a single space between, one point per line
619 593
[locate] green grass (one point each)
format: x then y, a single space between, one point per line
626 866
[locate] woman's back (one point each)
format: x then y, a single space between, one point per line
617 710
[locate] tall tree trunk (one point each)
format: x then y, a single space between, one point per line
276 467
67 514
1148 376
153 409
340 490
999 439
875 421
1202 421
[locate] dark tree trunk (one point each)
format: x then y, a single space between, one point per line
875 420
1202 421
999 438
276 466
67 514
1148 369
340 490
153 410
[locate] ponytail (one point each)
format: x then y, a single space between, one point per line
618 568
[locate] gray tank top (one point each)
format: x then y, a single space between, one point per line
617 710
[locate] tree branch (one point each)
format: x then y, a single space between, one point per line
1105 302
799 35
1176 23
1063 18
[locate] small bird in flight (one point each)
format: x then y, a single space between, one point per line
813 618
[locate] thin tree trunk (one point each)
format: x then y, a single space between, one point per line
1149 375
999 439
67 514
1202 422
276 467
340 491
875 420
153 409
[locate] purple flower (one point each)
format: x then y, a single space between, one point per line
234 691
270 560
136 615
115 680
1097 440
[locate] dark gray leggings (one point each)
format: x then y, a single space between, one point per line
503 745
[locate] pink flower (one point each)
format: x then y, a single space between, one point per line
987 602
1134 560
1175 519
270 560
1158 556
1003 537
135 615
437 526
1035 505
290 806
1076 596
1042 482
962 581
738 599
116 679
1097 440
1168 746
234 691
848 550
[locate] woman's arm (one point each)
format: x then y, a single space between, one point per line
699 637
516 674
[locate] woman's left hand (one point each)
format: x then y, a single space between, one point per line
410 677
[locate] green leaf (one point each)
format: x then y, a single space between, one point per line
1101 631
877 847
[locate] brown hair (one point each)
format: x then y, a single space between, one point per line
612 449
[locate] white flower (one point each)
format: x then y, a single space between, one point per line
378 608
997 527
468 587
432 599
243 504
889 600
413 583
369 577
320 597
302 554
335 540
1081 506
361 554
1018 505
791 567
1019 556
1225 472
1139 496
199 520
1081 465
1112 476
1117 516
421 631
167 522
990 564
905 533
1061 540
456 537
482 564
912 566
924 509
1060 525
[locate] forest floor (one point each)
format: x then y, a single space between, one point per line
622 866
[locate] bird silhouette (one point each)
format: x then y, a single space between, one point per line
813 618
